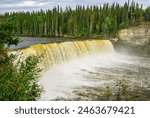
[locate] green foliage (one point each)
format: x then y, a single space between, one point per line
107 27
122 92
7 32
83 21
108 93
19 81
123 25
1 46
84 33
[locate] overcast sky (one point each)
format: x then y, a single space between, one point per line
32 5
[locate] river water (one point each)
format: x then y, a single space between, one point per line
87 78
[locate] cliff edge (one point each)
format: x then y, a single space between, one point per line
133 40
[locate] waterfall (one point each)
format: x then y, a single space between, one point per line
56 53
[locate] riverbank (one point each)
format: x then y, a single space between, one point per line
134 40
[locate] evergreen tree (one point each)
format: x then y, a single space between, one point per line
84 21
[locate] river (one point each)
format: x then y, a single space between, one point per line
87 78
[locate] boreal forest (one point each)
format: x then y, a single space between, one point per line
83 21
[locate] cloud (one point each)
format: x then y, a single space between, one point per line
24 3
34 5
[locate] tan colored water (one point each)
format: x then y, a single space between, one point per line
56 53
87 66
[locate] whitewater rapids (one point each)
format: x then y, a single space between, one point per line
99 70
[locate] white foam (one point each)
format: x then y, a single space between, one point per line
60 80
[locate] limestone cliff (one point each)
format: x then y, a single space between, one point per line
133 40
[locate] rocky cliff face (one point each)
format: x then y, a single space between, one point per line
135 35
133 40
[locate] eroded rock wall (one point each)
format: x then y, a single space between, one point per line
135 35
135 40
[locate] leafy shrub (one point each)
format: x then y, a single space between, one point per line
19 81
122 92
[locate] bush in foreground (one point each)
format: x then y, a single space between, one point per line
19 81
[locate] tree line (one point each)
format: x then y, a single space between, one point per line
89 21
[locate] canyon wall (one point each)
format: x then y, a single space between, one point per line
135 40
